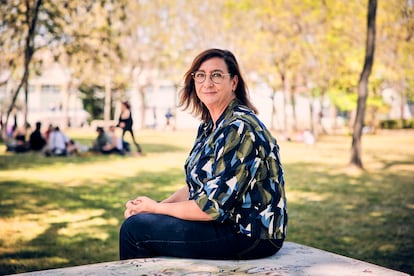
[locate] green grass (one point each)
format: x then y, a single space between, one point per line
59 212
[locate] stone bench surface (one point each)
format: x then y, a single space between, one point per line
292 259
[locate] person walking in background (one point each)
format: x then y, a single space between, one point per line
125 122
168 116
233 205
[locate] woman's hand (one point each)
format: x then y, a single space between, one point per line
140 205
187 209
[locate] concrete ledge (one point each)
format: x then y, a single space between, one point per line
292 259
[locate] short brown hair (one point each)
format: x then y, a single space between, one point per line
188 96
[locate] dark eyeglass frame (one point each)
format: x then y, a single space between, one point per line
217 77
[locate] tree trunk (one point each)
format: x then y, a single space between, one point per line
292 95
356 159
108 100
273 113
402 103
312 127
31 20
67 92
143 108
285 103
320 125
26 97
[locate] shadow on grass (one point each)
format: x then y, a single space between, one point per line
368 217
74 225
388 165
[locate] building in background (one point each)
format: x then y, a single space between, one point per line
49 100
53 101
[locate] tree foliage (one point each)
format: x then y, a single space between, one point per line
311 48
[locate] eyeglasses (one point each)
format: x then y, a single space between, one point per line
216 77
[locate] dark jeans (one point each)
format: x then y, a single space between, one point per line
150 235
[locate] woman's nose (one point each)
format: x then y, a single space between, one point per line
208 82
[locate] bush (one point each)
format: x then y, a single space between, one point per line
408 123
389 124
397 124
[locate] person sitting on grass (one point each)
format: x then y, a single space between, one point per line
20 143
57 144
36 140
115 145
101 140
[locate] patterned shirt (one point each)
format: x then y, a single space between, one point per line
234 174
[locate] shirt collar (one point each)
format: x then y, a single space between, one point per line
208 126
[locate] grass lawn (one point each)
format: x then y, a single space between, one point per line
59 212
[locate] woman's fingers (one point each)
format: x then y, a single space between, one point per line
141 204
128 213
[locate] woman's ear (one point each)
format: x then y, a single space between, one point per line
235 81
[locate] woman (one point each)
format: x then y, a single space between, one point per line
125 122
19 135
234 205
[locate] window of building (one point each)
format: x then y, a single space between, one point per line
50 89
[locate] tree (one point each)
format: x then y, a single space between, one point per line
363 85
28 26
94 54
298 46
394 52
28 14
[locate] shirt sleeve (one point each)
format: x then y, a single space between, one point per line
227 169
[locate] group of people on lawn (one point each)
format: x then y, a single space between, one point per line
54 142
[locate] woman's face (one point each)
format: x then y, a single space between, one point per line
217 94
